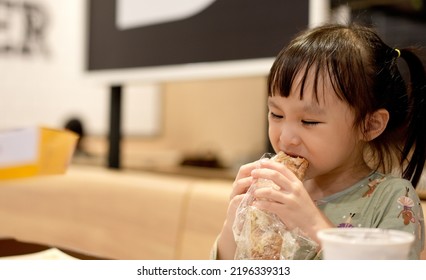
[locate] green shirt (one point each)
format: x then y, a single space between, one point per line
378 201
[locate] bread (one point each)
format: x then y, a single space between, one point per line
297 165
265 240
265 228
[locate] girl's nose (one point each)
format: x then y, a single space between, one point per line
289 137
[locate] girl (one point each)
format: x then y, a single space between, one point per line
337 99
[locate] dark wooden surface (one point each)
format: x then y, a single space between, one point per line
12 247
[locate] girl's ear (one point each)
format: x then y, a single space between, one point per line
375 124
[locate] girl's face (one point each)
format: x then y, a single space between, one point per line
320 131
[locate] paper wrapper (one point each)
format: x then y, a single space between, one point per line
35 151
263 236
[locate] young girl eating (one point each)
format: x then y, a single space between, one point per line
338 99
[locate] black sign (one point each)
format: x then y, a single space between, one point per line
226 30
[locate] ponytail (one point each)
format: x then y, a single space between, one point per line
414 148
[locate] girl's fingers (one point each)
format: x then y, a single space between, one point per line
243 180
277 208
246 169
241 186
280 180
278 167
272 194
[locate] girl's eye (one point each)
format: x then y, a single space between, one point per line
275 116
310 123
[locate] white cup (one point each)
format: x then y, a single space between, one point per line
365 244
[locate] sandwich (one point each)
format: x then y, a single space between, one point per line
264 231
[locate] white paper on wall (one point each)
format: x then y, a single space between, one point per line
138 13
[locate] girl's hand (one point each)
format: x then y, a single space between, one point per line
226 244
241 185
290 202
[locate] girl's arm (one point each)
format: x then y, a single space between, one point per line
225 245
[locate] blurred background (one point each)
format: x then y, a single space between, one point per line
191 74
169 98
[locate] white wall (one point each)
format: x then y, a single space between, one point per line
42 89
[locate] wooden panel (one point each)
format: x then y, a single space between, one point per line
205 214
100 212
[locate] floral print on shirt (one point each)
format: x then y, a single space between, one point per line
406 213
372 186
348 222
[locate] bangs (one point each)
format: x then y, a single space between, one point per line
316 55
312 64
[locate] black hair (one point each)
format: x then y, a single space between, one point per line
364 73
